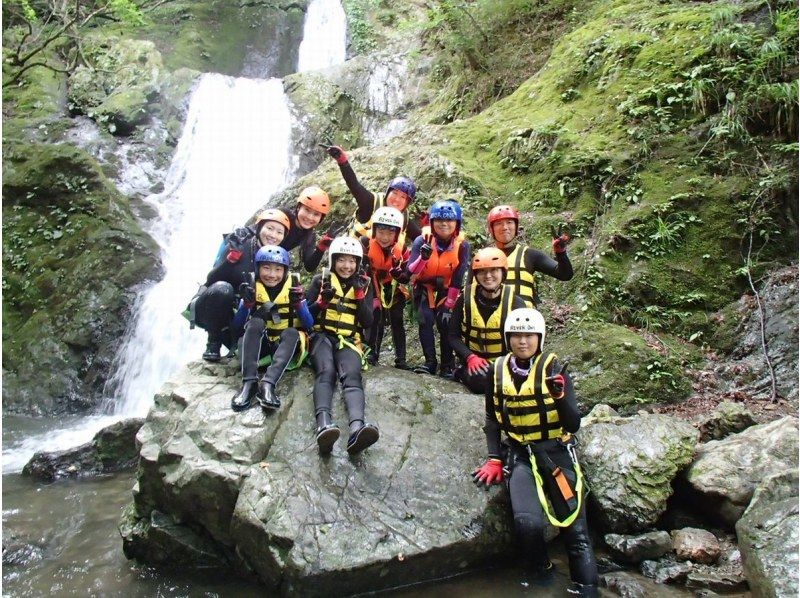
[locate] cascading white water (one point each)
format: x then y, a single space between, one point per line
234 152
324 36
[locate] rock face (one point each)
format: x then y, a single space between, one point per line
768 536
696 545
726 472
630 464
636 549
251 490
728 418
112 449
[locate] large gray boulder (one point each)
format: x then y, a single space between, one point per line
630 463
726 472
768 536
251 490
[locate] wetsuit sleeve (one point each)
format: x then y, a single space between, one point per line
235 274
364 197
463 264
491 427
309 254
455 333
559 268
415 249
567 406
518 303
312 294
305 317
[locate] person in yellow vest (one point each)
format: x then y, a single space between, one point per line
476 328
342 307
387 257
532 400
279 319
400 194
437 264
523 261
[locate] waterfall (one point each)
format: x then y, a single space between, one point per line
234 153
324 36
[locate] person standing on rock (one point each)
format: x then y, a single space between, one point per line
437 265
476 328
276 328
212 308
502 224
400 194
341 303
387 258
531 399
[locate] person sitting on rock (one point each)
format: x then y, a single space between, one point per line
476 328
502 224
531 399
387 258
400 194
437 264
213 306
341 304
276 328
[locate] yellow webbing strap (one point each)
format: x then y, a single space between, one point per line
543 500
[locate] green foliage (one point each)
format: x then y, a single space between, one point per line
362 33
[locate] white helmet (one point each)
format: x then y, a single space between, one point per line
345 246
387 216
527 320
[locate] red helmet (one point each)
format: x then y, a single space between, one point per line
501 213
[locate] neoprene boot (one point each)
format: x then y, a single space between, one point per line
583 590
361 436
266 396
446 371
242 401
327 433
212 350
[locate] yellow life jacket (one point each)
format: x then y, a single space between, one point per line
530 414
523 282
283 307
485 337
339 317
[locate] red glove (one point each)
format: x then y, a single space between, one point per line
324 242
361 284
476 365
337 153
233 256
376 303
489 473
557 382
560 241
452 297
296 296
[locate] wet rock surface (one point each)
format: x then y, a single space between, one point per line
630 464
696 545
635 549
728 418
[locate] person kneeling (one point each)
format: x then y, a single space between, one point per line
275 328
476 328
343 307
531 399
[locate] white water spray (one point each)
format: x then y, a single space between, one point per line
324 36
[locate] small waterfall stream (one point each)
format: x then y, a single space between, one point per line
234 153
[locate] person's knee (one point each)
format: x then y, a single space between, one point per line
255 323
528 527
290 335
214 308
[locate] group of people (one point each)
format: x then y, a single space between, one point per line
484 310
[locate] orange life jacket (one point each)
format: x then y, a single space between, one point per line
440 266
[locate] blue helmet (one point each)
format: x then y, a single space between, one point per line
447 209
404 184
272 254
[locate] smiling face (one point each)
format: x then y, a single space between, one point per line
386 236
397 199
271 233
271 274
523 345
444 229
489 278
504 230
307 218
345 266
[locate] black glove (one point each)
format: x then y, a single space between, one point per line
296 296
425 251
360 285
443 316
248 294
326 293
557 382
265 312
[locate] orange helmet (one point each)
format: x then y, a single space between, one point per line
489 257
316 199
501 213
274 216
